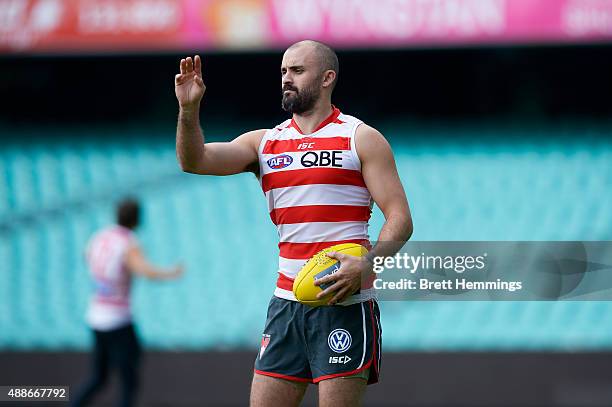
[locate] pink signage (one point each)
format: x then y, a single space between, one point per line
393 23
159 25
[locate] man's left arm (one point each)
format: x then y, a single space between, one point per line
382 180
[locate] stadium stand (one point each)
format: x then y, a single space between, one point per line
58 190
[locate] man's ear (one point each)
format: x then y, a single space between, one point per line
329 77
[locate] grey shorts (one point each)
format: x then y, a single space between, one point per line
306 344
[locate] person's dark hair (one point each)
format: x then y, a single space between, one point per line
128 213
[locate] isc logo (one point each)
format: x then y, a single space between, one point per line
339 359
322 159
280 161
305 146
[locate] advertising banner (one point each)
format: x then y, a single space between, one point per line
83 26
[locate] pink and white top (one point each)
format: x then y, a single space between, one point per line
109 307
316 193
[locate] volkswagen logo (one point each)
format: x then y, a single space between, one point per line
339 340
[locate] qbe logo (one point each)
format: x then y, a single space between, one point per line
339 340
280 161
322 159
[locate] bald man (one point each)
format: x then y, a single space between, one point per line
321 171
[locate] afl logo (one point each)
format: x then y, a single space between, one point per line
339 340
280 161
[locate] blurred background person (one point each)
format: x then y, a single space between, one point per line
114 256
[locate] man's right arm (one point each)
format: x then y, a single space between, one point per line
194 155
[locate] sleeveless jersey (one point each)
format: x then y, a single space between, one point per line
316 194
109 307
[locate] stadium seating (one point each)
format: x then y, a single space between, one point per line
471 183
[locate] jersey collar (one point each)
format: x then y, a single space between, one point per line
332 118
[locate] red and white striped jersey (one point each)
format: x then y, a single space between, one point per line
109 307
315 192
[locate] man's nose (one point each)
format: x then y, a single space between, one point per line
287 79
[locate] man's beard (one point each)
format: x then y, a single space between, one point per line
301 101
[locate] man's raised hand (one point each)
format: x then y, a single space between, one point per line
188 85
